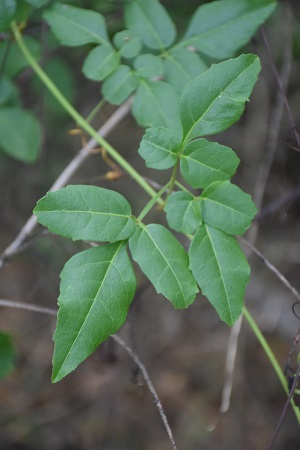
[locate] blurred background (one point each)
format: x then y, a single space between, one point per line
105 403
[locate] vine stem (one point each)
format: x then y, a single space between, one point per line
271 357
121 343
80 121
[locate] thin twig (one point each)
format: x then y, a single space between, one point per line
65 176
273 269
116 338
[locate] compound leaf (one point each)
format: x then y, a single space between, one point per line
150 21
100 62
7 355
227 207
156 104
164 261
119 85
76 26
220 28
20 134
159 148
224 88
221 270
97 287
86 212
203 162
183 212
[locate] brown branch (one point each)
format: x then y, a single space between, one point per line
116 338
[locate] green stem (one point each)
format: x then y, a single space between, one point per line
271 357
81 122
95 110
152 202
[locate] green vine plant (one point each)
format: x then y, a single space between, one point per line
183 89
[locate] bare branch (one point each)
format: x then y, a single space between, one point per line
65 176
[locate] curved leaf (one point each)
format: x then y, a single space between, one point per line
221 270
76 26
20 134
227 207
150 21
119 85
164 261
159 148
183 212
97 287
220 28
216 99
156 104
100 62
86 212
203 162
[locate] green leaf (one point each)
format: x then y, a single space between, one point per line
148 66
37 3
7 355
183 212
181 66
156 104
76 26
9 94
159 148
221 270
20 134
15 62
203 162
227 207
215 100
7 12
86 212
100 62
220 28
150 21
97 287
119 85
128 43
164 261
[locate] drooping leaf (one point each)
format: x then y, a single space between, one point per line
182 65
216 99
156 104
183 212
220 28
9 94
7 355
76 26
203 162
164 261
118 86
150 21
227 207
148 66
128 43
20 134
100 62
97 287
159 148
221 270
15 62
86 212
7 12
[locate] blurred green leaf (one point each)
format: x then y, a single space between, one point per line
20 134
183 212
9 94
97 287
86 212
76 26
128 43
148 66
7 355
37 3
150 21
100 62
7 12
118 86
15 62
164 261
